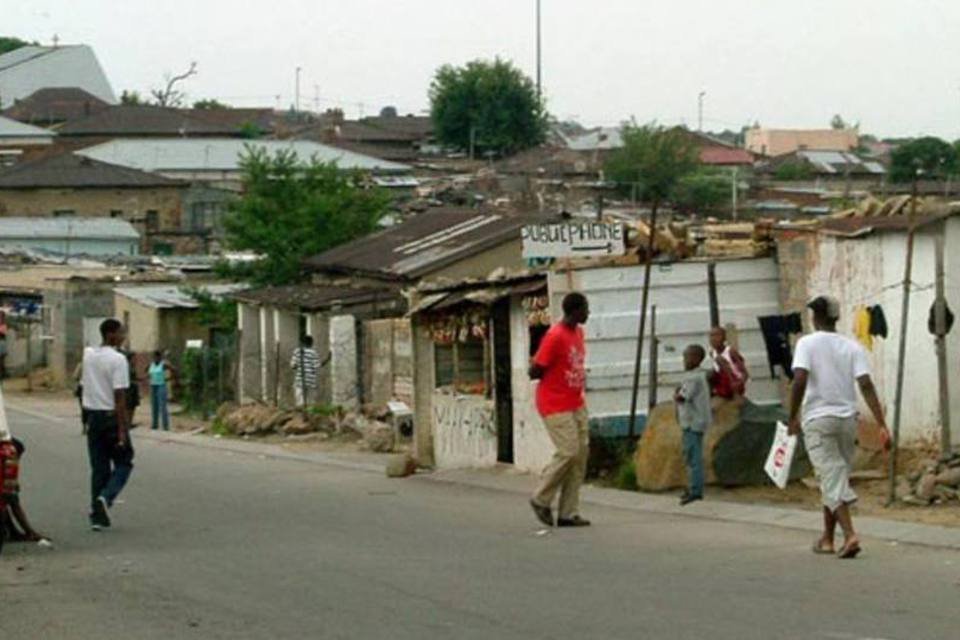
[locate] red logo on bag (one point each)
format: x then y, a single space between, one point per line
779 457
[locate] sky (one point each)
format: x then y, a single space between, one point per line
891 65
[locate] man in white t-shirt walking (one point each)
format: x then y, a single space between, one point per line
827 369
106 376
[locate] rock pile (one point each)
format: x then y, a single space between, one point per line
935 481
261 420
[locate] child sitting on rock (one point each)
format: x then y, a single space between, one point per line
693 414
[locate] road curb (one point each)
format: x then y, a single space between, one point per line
892 531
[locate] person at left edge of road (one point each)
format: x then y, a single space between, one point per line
559 366
106 377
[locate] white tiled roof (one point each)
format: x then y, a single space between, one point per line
222 154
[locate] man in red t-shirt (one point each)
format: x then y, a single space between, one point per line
559 366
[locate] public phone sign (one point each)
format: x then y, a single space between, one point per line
573 239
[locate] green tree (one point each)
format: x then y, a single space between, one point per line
705 190
213 312
291 210
837 122
932 157
793 170
652 161
131 98
486 106
11 43
210 103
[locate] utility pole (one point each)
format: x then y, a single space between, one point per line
539 59
296 100
700 98
733 192
902 354
940 318
645 297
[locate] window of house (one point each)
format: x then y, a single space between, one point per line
162 249
153 220
116 213
64 213
461 365
206 216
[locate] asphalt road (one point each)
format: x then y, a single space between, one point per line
210 544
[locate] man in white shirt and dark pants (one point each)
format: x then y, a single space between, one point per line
827 370
106 376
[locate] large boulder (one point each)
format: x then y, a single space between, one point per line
379 437
734 449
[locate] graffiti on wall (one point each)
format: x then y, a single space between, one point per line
465 430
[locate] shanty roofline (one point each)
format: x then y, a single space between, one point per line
174 296
423 244
310 297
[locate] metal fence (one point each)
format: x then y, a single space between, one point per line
208 378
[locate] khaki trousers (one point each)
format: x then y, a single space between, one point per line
570 434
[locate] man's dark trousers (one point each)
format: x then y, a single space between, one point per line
110 463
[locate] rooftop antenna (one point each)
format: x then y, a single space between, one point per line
539 83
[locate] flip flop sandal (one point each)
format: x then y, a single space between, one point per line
849 552
819 550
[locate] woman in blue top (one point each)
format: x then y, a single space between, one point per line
157 372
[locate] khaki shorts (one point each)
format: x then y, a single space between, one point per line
831 444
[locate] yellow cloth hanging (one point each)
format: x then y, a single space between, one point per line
861 327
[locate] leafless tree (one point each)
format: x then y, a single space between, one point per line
170 96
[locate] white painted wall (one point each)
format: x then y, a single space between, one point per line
532 448
343 361
869 271
747 289
464 430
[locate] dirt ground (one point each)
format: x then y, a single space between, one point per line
873 491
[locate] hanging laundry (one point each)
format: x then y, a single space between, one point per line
861 327
878 322
932 318
776 331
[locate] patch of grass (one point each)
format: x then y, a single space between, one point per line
218 428
625 477
323 410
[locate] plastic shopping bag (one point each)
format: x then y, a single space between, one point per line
780 457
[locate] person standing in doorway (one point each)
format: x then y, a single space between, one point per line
827 369
157 374
306 365
559 366
106 379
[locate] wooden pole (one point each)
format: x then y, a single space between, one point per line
902 355
29 327
941 331
712 293
276 376
654 363
635 390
